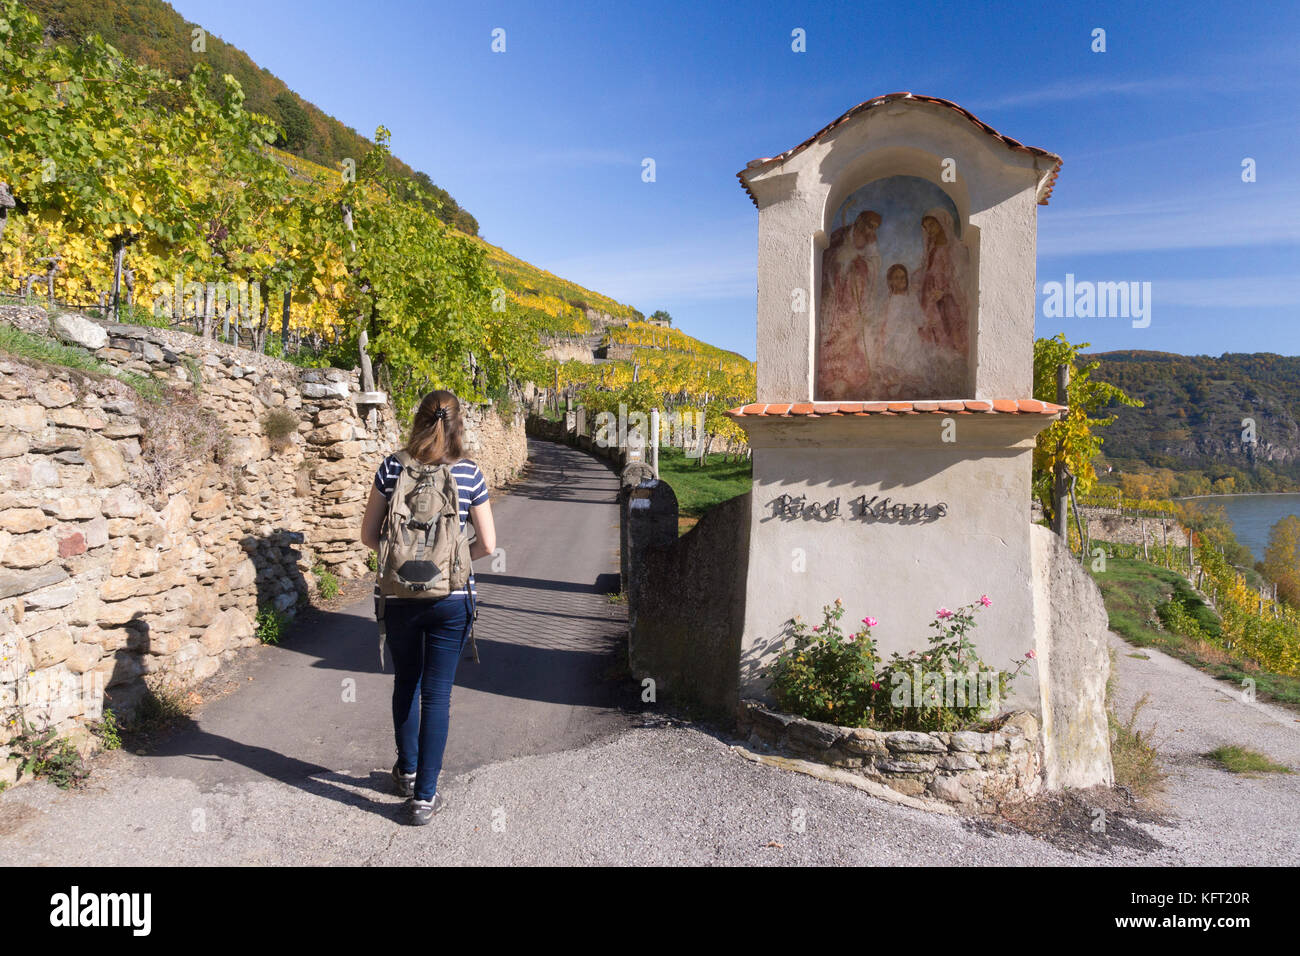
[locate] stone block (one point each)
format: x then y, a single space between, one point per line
70 417
123 429
51 598
122 502
78 330
905 741
23 520
16 583
960 761
27 551
951 789
13 444
51 647
25 418
860 740
72 507
84 656
105 460
54 394
967 740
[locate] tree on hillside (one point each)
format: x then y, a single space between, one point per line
1282 558
1072 439
294 120
661 316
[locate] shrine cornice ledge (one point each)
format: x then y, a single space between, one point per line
810 410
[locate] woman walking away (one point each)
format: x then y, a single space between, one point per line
416 519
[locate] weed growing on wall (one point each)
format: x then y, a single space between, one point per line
108 730
45 754
270 625
327 581
280 425
177 435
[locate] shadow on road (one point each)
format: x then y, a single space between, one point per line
551 673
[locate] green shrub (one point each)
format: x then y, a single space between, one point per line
108 730
271 624
826 675
45 754
329 583
836 678
372 561
280 425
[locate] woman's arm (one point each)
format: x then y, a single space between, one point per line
373 520
485 541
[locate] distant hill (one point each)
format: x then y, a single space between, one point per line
1192 422
153 32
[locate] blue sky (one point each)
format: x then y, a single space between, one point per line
544 143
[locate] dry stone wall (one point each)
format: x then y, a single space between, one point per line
141 538
968 768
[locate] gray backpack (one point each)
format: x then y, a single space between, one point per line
423 551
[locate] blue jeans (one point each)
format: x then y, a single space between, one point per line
425 640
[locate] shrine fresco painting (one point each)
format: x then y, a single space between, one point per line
895 309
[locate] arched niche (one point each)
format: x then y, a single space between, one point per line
895 271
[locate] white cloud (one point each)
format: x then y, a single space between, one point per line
1237 292
1192 221
703 268
1088 89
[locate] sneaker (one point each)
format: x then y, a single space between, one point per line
422 811
405 782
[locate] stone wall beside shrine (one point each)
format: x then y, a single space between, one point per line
140 539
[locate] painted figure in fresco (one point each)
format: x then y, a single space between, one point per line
942 297
850 276
898 354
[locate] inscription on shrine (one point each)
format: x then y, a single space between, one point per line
861 508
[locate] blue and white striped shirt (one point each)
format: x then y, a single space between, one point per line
471 489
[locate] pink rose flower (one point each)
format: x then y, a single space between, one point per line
870 621
875 686
1031 655
943 613
984 599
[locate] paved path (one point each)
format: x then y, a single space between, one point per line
546 634
544 768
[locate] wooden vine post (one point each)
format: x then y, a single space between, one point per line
1060 488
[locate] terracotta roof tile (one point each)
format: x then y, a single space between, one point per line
1002 406
1045 190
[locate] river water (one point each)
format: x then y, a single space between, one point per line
1253 516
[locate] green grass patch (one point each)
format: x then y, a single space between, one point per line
1151 606
700 487
39 349
328 582
1242 760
